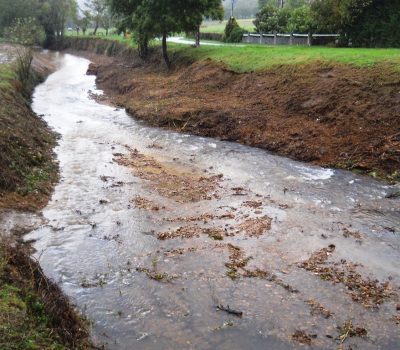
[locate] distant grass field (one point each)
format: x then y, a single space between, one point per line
219 27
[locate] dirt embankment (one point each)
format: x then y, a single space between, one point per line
332 115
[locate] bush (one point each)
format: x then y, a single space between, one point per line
26 32
233 32
236 35
230 26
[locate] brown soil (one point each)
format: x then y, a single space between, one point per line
332 115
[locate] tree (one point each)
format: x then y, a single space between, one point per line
11 10
373 23
149 19
26 32
97 10
107 20
272 19
53 15
214 12
301 20
84 21
330 15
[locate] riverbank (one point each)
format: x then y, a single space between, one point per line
327 112
34 313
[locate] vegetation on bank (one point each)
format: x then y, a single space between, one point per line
26 145
248 58
24 323
34 313
252 58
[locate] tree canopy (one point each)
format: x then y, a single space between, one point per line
149 18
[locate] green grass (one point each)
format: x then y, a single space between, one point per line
247 58
250 57
23 322
219 27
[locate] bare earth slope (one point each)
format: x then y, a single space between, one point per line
331 115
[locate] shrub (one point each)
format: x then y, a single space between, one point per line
233 32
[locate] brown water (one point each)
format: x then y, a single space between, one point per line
92 250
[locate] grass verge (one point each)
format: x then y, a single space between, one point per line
245 58
249 58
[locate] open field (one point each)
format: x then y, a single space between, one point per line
219 27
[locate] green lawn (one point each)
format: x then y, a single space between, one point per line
248 58
219 27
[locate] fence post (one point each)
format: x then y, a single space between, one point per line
261 37
248 37
309 39
275 37
291 39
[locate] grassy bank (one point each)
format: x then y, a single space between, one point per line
27 167
249 58
34 313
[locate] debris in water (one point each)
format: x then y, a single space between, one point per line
347 233
369 293
256 227
319 309
303 338
143 203
252 204
347 330
229 310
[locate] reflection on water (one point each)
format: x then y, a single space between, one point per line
96 238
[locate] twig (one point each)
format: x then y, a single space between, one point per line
229 310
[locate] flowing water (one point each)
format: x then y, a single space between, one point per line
95 238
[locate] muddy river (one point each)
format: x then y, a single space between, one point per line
171 241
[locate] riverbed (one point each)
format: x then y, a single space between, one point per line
171 241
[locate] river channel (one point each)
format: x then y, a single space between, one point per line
171 241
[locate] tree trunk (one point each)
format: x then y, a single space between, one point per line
95 28
197 43
165 51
